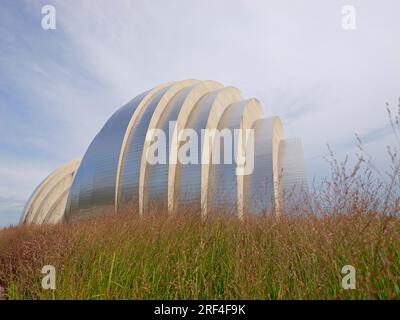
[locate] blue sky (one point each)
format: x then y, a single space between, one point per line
58 87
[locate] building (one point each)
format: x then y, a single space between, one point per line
116 175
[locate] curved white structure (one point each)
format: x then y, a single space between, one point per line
115 174
47 203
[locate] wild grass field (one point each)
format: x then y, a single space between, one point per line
217 258
351 218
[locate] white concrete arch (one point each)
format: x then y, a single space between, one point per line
197 92
277 136
57 210
262 186
292 174
48 193
167 93
185 88
51 199
143 104
252 111
226 179
225 97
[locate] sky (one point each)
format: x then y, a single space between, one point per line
58 87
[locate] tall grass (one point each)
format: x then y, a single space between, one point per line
352 218
218 258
